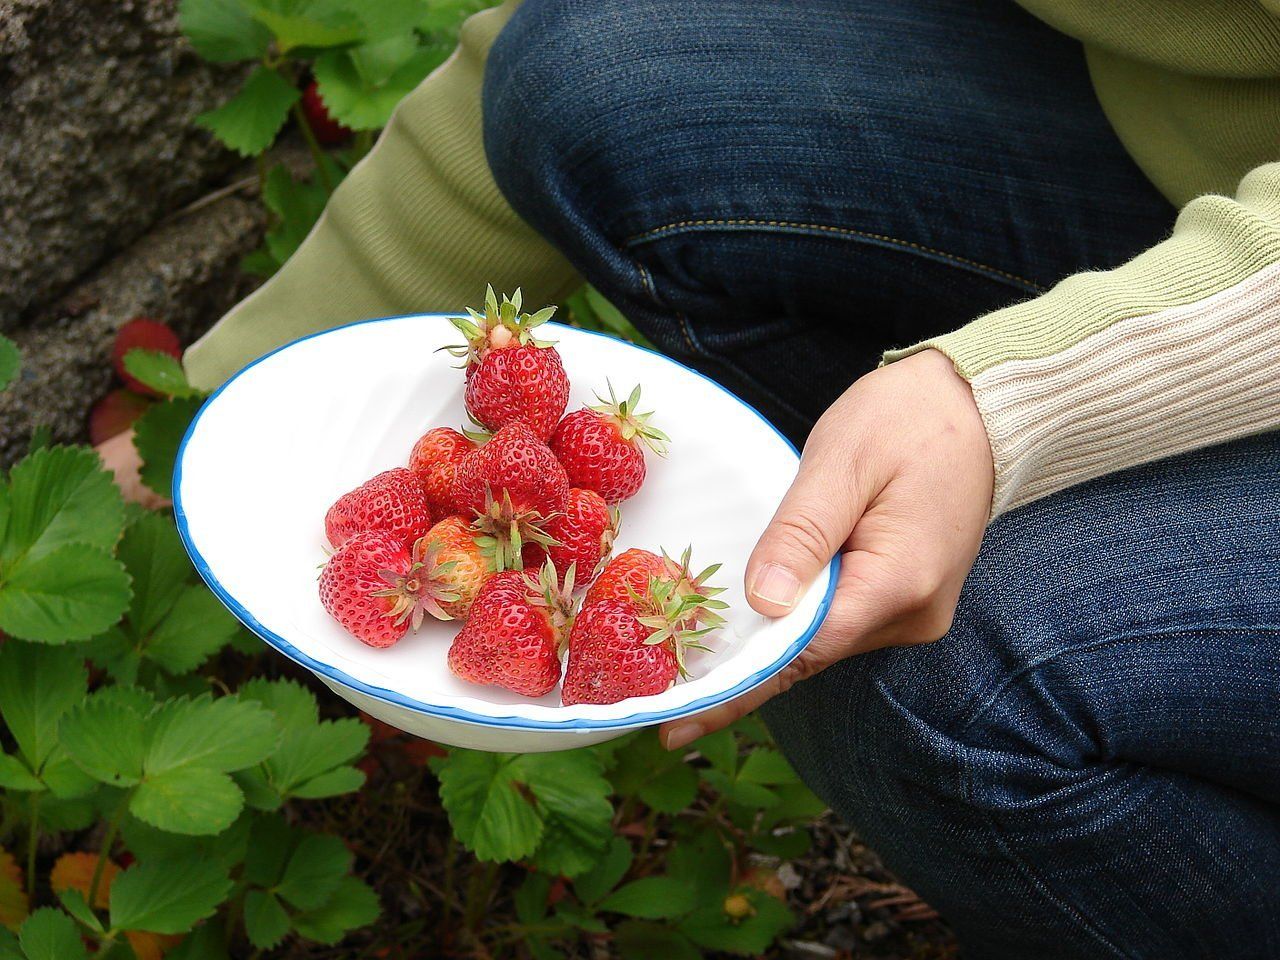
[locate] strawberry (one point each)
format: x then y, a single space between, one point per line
583 532
513 484
465 568
142 333
635 648
435 459
393 501
377 589
512 377
601 447
629 578
328 131
512 638
115 413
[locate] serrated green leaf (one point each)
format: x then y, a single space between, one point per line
736 791
573 800
105 736
376 62
710 928
190 800
767 767
151 843
60 496
312 24
569 912
222 30
50 934
160 371
157 435
64 778
271 840
258 793
389 18
195 628
314 870
58 815
331 783
38 684
167 896
362 104
705 862
796 804
249 122
10 362
637 940
292 703
489 813
69 594
353 905
224 734
207 942
308 749
531 897
152 552
672 790
265 921
14 775
720 749
651 898
297 205
74 902
611 867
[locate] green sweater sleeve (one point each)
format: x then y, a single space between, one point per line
1176 350
418 225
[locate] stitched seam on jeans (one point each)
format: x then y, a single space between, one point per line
646 278
848 232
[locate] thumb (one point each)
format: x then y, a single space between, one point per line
813 521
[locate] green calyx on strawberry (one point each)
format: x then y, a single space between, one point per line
678 617
632 425
501 325
548 591
503 531
421 589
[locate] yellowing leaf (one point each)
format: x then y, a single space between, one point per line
14 906
74 871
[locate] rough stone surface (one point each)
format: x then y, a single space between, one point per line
96 136
185 272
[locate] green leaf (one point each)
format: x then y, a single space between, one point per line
14 775
787 845
353 905
224 734
151 843
637 940
271 840
766 766
331 783
196 628
191 800
711 929
360 102
388 18
309 24
207 942
9 949
705 863
796 804
160 371
531 897
265 921
607 872
573 798
297 205
672 790
105 736
156 437
222 30
490 815
314 871
60 496
736 791
74 902
152 552
167 896
652 898
720 749
10 361
49 934
70 594
249 121
38 684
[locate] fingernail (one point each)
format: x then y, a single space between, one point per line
776 584
683 734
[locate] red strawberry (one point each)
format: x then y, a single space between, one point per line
512 377
584 533
601 447
435 459
629 577
513 636
464 568
393 501
513 484
377 589
115 413
635 648
142 333
328 131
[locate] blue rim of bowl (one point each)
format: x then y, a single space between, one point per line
341 677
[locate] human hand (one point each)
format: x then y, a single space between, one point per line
119 455
897 476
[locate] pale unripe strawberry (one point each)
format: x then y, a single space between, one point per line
435 458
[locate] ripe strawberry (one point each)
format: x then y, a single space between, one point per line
115 413
601 447
464 566
142 333
584 533
630 576
513 636
635 648
393 501
435 459
513 485
328 131
377 589
512 377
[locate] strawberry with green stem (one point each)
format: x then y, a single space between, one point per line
435 458
602 446
628 575
393 501
582 534
512 376
464 567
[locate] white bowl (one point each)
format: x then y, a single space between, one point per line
282 439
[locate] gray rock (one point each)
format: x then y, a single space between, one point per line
96 136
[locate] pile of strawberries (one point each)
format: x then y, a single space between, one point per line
502 530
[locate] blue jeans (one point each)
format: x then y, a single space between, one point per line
1088 765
